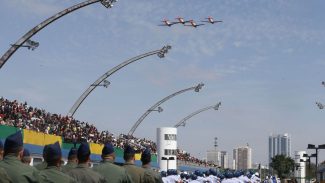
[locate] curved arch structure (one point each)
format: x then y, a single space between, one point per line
161 54
135 126
30 33
183 121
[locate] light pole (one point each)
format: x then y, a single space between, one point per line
196 88
312 146
161 54
308 160
183 121
37 28
216 162
159 109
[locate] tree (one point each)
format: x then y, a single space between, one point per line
283 165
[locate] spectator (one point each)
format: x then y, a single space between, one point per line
23 116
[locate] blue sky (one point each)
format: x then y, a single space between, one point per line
265 63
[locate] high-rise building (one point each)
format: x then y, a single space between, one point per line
214 156
224 159
242 158
279 144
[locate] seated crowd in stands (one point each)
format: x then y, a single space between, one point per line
21 115
184 156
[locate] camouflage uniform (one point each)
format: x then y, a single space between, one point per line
69 166
17 171
53 174
136 173
41 166
113 173
82 173
4 178
150 176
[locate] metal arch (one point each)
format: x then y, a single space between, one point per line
134 127
161 53
182 122
40 26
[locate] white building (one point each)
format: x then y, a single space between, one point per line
300 169
167 148
242 158
224 159
214 156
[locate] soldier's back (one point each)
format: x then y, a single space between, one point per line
113 173
4 177
17 171
150 176
136 173
82 173
41 166
53 174
69 166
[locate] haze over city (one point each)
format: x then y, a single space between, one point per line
265 63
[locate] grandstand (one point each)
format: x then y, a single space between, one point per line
40 127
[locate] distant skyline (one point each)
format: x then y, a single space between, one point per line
265 62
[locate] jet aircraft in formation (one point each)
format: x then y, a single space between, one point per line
167 23
210 20
192 23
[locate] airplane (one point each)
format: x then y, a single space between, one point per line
193 24
166 23
210 20
180 20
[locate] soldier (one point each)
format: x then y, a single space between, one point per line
72 160
194 179
150 176
212 177
42 165
13 152
26 157
82 173
4 177
135 172
173 176
1 150
163 175
52 172
107 168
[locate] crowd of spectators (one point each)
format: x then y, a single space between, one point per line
187 158
23 116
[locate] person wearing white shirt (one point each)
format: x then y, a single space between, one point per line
193 179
